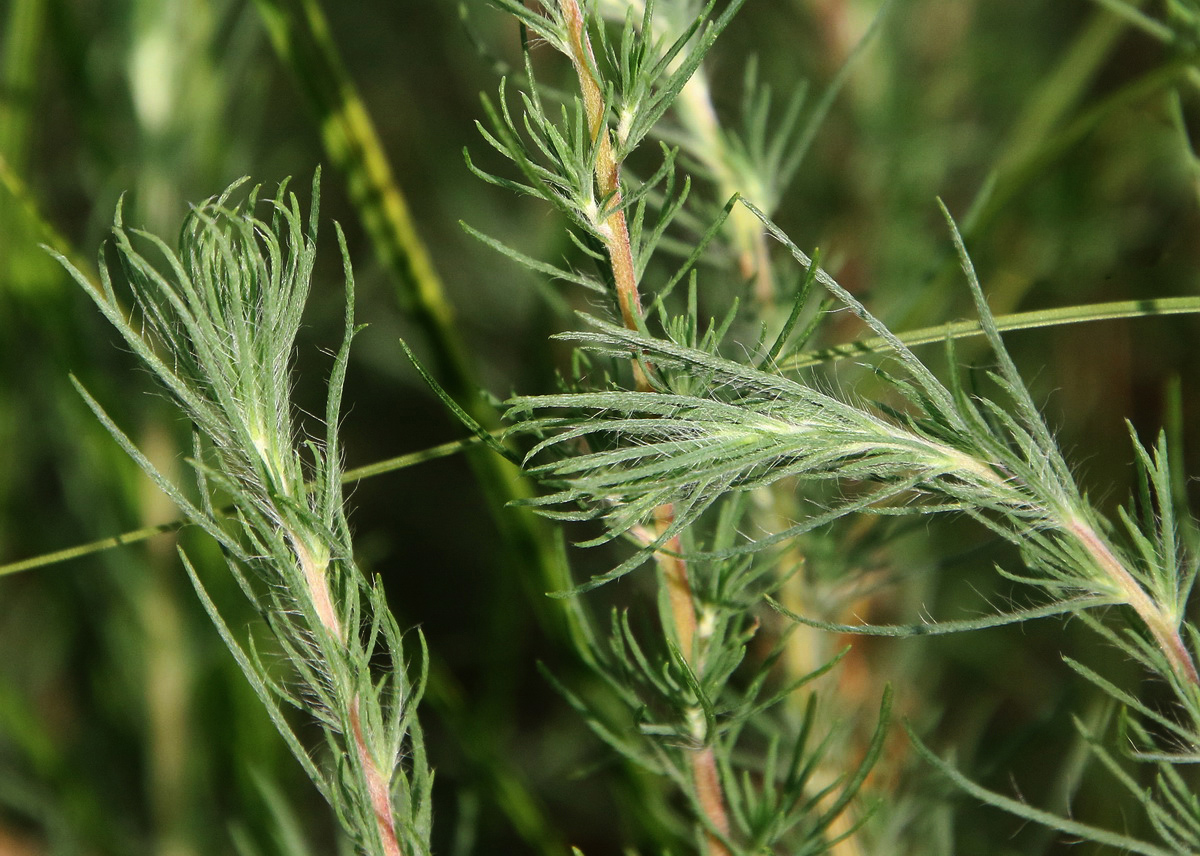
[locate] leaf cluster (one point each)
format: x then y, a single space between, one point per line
217 324
662 464
555 145
617 455
557 159
646 66
779 771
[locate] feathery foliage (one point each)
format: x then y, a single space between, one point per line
695 698
761 468
696 428
748 428
217 324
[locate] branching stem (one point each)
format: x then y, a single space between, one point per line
614 228
615 232
1161 627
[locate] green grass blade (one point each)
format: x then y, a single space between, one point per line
1020 809
1039 319
135 536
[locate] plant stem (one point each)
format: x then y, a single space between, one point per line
705 778
1161 627
377 784
712 800
302 40
377 787
679 587
615 231
608 171
696 112
1157 620
1034 320
318 586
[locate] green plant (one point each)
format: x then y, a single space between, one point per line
755 504
224 315
695 429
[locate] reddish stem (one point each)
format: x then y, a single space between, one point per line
1164 631
377 787
615 231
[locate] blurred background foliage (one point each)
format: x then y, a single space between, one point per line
124 725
